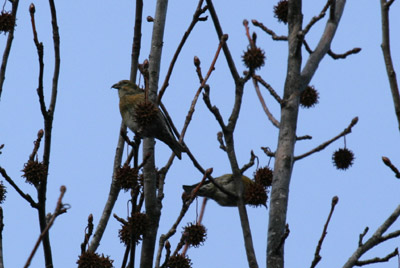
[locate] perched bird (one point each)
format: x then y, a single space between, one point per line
143 117
209 190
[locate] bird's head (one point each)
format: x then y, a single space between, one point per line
126 87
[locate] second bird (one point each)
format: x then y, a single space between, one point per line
143 117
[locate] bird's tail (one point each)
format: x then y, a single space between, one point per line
189 188
177 148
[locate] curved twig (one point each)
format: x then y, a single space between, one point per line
325 144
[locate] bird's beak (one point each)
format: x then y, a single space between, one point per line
115 86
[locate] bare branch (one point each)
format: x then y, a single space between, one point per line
270 32
387 56
375 239
137 37
60 209
388 163
185 207
264 105
37 144
203 84
27 197
315 19
377 259
344 55
7 48
250 164
306 137
40 52
221 141
220 34
269 87
360 240
317 256
196 18
325 144
331 53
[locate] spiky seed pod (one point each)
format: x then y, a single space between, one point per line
126 177
256 195
90 259
138 224
145 113
7 22
343 158
263 176
3 192
281 11
195 234
309 97
254 57
179 261
34 172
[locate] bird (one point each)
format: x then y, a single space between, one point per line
209 190
143 117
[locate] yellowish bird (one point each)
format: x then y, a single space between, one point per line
209 190
143 117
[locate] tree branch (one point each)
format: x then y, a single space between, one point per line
394 87
388 163
196 17
266 110
220 33
60 209
269 31
375 239
7 48
27 197
317 256
325 144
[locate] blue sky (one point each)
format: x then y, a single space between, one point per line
95 53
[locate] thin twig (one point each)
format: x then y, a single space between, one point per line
40 52
375 239
199 11
269 31
269 87
343 55
377 259
88 233
136 43
270 116
315 19
389 3
361 237
7 48
325 144
387 56
190 114
388 163
305 137
60 209
250 163
203 83
184 209
27 197
37 144
220 138
317 256
220 33
331 53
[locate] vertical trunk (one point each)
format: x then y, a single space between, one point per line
286 142
153 207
